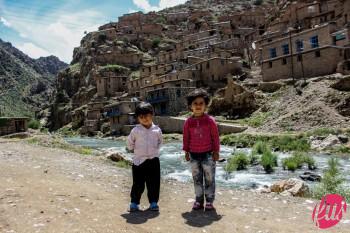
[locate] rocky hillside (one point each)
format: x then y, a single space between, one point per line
25 83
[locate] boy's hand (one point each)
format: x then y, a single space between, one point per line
187 156
216 156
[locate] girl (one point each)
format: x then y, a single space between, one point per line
201 145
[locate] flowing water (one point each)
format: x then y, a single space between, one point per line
174 166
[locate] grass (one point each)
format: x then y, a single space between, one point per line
269 161
237 161
283 142
61 144
75 68
67 131
255 120
297 160
122 164
260 147
113 68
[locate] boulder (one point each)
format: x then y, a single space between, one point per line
342 84
343 138
290 187
310 176
328 142
115 155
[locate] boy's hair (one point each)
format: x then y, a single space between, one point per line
198 93
144 108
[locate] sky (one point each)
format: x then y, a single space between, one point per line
54 27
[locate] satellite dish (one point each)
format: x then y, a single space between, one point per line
254 45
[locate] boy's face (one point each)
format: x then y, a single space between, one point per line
145 120
198 106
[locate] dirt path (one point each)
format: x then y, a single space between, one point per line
52 190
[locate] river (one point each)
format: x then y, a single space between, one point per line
174 166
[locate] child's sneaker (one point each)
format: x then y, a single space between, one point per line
197 206
154 206
133 207
209 206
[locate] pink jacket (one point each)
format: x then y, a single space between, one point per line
201 135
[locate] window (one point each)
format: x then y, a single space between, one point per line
270 64
212 77
222 62
318 53
273 53
285 49
178 93
149 69
300 45
284 61
299 58
314 42
208 65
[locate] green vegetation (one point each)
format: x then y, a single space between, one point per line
283 142
57 142
67 131
156 42
75 68
260 147
341 150
123 164
113 68
237 161
253 159
332 182
269 161
256 119
297 160
34 124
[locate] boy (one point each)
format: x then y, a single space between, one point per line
145 140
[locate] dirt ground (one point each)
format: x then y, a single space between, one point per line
52 190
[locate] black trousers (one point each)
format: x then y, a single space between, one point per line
148 172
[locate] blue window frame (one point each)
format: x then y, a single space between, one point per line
285 49
273 52
299 45
314 42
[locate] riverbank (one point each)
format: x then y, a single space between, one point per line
50 189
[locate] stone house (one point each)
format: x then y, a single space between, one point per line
120 114
304 54
169 98
174 18
156 69
109 84
213 72
114 56
10 125
93 116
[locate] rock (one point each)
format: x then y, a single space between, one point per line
310 176
343 138
116 156
293 187
342 84
328 142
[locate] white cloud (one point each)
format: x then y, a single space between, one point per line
5 22
56 36
146 6
32 50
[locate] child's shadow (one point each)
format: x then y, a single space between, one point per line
197 218
140 217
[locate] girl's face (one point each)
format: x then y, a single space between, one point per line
198 106
145 120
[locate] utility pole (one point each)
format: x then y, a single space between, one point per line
291 54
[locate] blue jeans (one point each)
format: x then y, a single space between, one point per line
203 172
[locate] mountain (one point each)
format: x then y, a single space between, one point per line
25 83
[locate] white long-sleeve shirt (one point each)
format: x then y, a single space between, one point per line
144 142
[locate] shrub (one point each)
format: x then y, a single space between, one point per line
298 159
260 147
155 42
34 124
289 164
253 159
332 181
269 161
237 161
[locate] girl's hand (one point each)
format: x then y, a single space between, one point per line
216 156
187 156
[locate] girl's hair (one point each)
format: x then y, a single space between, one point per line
198 93
143 109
